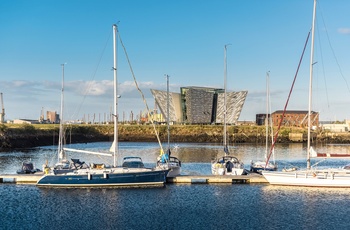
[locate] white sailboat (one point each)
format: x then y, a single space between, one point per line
100 175
311 177
227 164
166 161
258 166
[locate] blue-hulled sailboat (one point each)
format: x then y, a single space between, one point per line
91 176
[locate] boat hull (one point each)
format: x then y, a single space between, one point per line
174 171
322 178
173 164
227 165
260 166
105 179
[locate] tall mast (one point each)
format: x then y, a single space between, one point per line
267 115
310 84
225 82
115 149
225 106
167 110
61 154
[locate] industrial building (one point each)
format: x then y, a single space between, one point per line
200 105
53 117
297 118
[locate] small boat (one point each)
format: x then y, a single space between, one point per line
80 174
226 165
166 161
259 166
312 177
28 168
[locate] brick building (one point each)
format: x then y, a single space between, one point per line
297 118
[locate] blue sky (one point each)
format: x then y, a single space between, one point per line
184 39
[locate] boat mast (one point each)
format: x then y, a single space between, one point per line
271 124
225 107
267 116
167 111
115 116
310 84
61 154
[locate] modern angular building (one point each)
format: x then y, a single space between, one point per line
200 105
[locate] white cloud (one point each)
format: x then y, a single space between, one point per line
344 30
90 88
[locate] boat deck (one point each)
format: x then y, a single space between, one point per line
192 179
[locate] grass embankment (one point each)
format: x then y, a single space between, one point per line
25 135
21 135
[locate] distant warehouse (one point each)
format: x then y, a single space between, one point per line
298 118
200 105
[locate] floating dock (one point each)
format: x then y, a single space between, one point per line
208 179
192 179
20 178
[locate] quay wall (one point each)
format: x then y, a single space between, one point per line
26 136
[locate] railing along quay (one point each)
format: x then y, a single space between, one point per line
193 179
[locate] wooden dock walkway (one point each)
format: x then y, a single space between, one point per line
208 179
20 178
192 179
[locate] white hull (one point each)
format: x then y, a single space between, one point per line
227 165
215 170
261 166
310 178
175 169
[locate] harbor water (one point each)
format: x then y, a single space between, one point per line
175 206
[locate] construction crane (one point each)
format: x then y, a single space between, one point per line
2 114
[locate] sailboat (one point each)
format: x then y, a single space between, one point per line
95 175
311 177
227 164
259 166
166 161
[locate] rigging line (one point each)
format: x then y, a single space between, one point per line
335 57
324 76
142 95
285 107
93 76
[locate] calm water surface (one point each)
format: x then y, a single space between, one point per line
176 206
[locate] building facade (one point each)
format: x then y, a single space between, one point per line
200 105
298 118
53 117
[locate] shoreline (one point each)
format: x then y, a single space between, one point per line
29 136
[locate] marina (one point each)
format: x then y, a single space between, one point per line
198 199
198 179
203 155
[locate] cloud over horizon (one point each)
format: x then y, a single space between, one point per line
344 30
